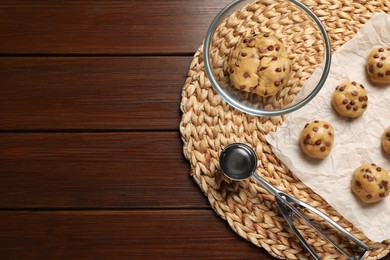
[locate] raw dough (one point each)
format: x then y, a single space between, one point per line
259 64
350 99
370 183
317 139
378 65
386 140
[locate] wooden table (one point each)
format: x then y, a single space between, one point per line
91 160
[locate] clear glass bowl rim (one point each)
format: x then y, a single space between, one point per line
259 112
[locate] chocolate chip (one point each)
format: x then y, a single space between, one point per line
306 142
382 194
275 58
266 35
361 86
342 88
323 148
365 98
355 108
371 69
348 107
277 83
278 70
388 134
231 70
369 196
277 48
387 72
328 144
284 68
358 184
270 48
353 83
261 50
237 63
243 54
318 142
381 50
376 56
352 102
380 75
369 178
315 129
361 98
345 101
316 121
326 126
383 58
307 136
242 87
262 68
337 88
379 169
306 125
383 184
354 93
364 106
246 75
379 64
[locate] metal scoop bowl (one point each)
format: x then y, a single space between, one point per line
239 162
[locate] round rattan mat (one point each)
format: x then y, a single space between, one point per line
209 124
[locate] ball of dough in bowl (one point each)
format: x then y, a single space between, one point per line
378 65
350 99
317 139
386 140
370 183
259 64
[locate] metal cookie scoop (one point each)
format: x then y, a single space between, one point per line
239 162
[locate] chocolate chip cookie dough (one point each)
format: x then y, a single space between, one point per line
378 65
370 183
259 64
386 141
316 139
350 99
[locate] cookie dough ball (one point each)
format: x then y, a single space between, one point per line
370 183
386 141
259 64
350 99
378 65
317 139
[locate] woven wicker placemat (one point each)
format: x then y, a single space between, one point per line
209 124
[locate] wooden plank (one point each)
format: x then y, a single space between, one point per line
164 234
125 27
101 170
91 93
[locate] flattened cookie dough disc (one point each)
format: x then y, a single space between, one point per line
259 64
350 99
317 139
386 141
378 65
370 183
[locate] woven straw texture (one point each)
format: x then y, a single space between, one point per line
209 124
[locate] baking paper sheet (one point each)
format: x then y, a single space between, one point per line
357 141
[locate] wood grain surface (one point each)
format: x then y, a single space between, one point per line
156 234
91 161
91 92
105 27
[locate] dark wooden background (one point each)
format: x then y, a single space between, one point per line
91 162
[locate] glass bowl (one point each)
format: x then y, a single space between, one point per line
304 37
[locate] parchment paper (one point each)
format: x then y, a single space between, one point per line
357 141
